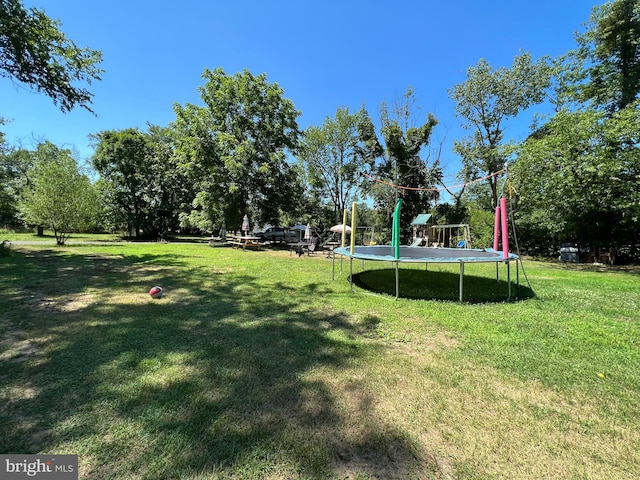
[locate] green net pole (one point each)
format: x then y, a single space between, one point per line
395 234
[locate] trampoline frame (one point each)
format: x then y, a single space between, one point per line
426 255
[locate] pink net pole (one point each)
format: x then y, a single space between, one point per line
505 227
496 229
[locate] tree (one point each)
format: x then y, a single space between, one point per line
606 65
142 186
121 159
485 101
59 197
404 162
170 190
14 167
332 159
35 52
577 175
234 147
577 179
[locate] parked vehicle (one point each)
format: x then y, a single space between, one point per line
569 252
279 234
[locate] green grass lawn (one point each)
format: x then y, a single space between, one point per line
259 365
30 236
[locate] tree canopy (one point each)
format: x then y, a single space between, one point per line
59 196
405 162
143 189
485 101
235 149
579 180
35 52
608 56
334 158
14 178
577 175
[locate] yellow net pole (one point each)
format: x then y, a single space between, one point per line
353 227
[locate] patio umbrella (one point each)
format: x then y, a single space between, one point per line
245 224
338 228
307 232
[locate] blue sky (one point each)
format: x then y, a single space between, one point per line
324 55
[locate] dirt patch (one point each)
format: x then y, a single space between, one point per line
62 303
15 347
389 464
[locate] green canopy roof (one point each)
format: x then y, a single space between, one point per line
422 219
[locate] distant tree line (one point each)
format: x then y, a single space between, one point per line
576 177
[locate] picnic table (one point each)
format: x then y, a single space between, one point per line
244 241
298 247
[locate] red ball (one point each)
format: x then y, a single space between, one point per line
156 292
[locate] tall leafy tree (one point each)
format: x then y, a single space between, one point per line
122 160
171 192
578 175
333 161
406 162
14 167
577 179
59 197
235 147
605 67
143 189
485 101
35 52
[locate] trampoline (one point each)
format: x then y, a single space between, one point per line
398 254
426 255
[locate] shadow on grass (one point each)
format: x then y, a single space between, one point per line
439 285
597 267
221 377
